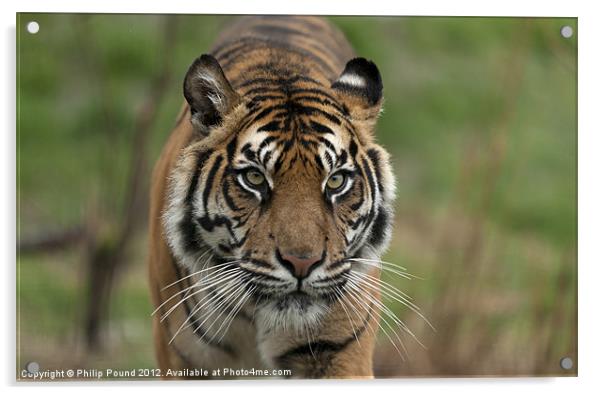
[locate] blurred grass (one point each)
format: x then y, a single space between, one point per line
480 118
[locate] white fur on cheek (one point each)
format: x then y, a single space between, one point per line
173 215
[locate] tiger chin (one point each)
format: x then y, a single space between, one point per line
271 204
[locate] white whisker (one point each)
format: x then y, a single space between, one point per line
391 292
234 313
381 262
228 301
198 307
358 299
216 310
389 314
198 272
384 268
219 281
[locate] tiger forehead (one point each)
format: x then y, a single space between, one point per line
293 104
308 139
291 119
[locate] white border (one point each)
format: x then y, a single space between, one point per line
339 7
590 196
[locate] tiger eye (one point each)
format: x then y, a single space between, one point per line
335 181
254 177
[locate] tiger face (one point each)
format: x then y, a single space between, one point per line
284 183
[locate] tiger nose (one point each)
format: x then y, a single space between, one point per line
300 267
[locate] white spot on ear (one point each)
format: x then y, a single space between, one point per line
352 80
207 78
217 100
214 94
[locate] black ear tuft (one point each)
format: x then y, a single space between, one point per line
361 78
208 93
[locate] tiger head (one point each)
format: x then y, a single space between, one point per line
284 183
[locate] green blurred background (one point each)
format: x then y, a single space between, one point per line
480 119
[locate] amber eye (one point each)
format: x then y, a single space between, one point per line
336 181
254 177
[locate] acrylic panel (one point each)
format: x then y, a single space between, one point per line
250 197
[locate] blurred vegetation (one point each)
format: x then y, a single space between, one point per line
480 119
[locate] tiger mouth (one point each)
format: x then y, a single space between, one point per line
302 294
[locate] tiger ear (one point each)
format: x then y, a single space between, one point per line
360 89
208 93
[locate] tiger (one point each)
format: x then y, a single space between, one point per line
270 206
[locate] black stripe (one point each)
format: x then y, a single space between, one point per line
209 181
318 161
279 46
279 81
367 220
239 243
356 206
328 145
247 44
202 157
187 227
267 141
218 220
270 127
257 100
322 101
355 224
266 158
260 275
229 200
352 148
310 110
372 184
231 148
376 162
379 227
264 113
318 127
251 116
263 89
249 153
316 91
316 357
342 158
275 30
223 51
